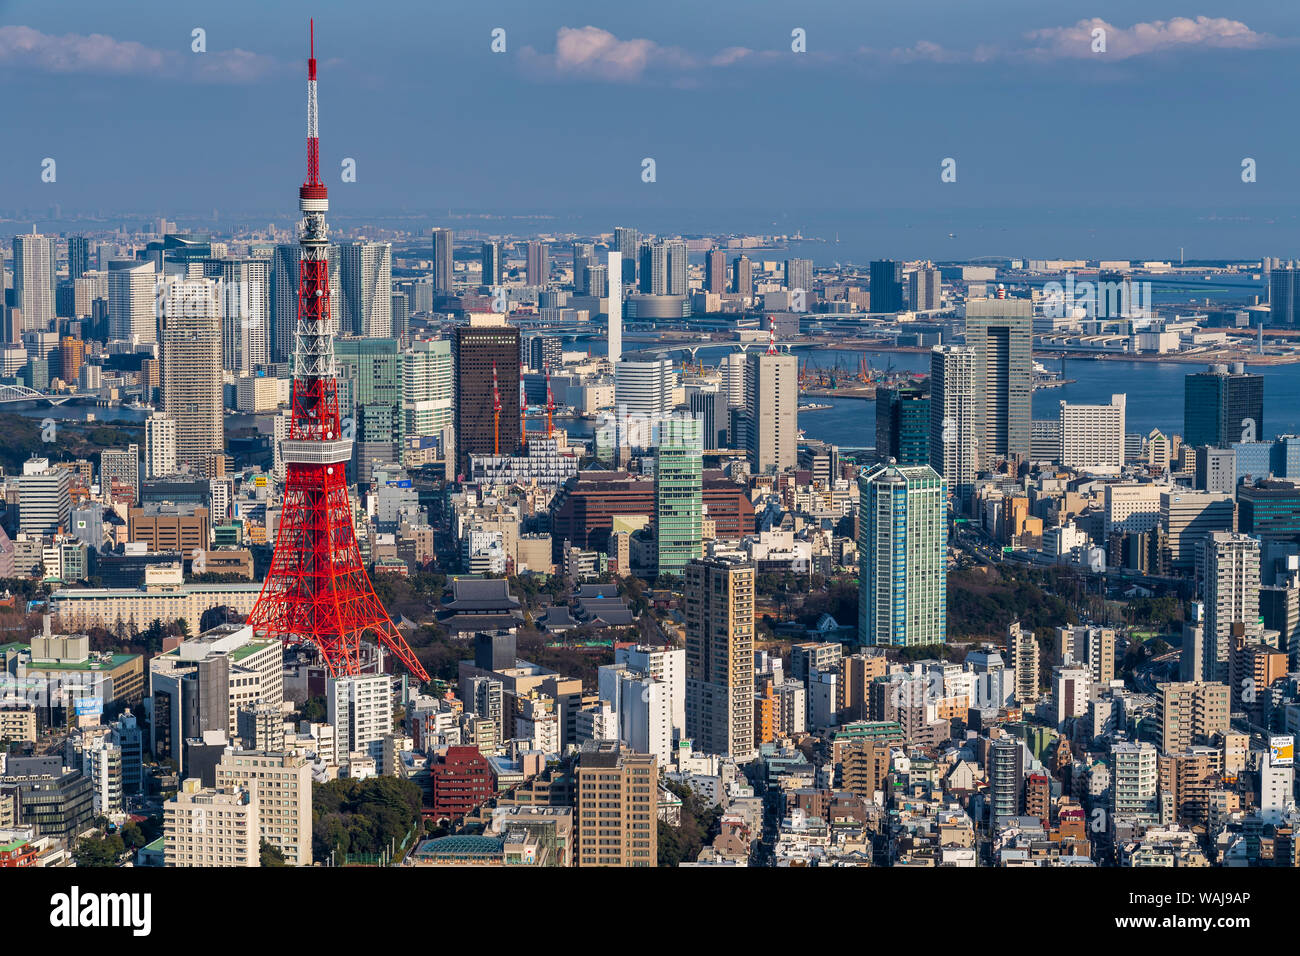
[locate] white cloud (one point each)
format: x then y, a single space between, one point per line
1142 38
28 49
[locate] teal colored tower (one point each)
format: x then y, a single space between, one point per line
679 494
902 556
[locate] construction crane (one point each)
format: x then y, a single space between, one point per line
496 413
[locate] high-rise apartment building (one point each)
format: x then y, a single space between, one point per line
1005 770
1022 655
366 283
742 276
799 274
627 242
1222 407
211 827
78 257
284 302
538 266
1228 575
771 411
954 449
617 807
191 369
925 291
280 783
902 556
159 446
715 271
361 710
34 281
1135 784
1001 333
245 310
679 494
120 468
1191 713
486 343
719 599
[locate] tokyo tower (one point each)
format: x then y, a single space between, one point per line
317 589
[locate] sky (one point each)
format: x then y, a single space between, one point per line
1060 149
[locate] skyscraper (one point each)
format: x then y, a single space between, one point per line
159 446
34 282
627 243
1284 297
715 271
798 274
78 257
1228 573
490 255
771 410
742 276
902 556
1001 333
487 342
719 599
191 369
284 302
131 315
616 275
679 493
643 386
954 451
903 424
925 291
366 283
371 394
245 297
1221 407
443 270
428 393
886 286
539 263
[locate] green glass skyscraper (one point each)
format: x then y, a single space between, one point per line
370 392
679 494
902 545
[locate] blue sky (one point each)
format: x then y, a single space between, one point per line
1129 152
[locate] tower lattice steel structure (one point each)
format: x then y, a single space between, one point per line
317 589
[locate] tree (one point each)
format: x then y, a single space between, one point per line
99 850
271 856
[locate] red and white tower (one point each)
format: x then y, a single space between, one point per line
317 589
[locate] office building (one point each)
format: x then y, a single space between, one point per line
627 243
284 302
902 556
679 494
132 315
719 612
492 267
1187 517
78 257
1001 333
244 290
886 286
371 394
191 370
1092 436
1222 407
643 386
44 497
428 392
799 274
485 344
903 425
742 276
443 268
616 275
